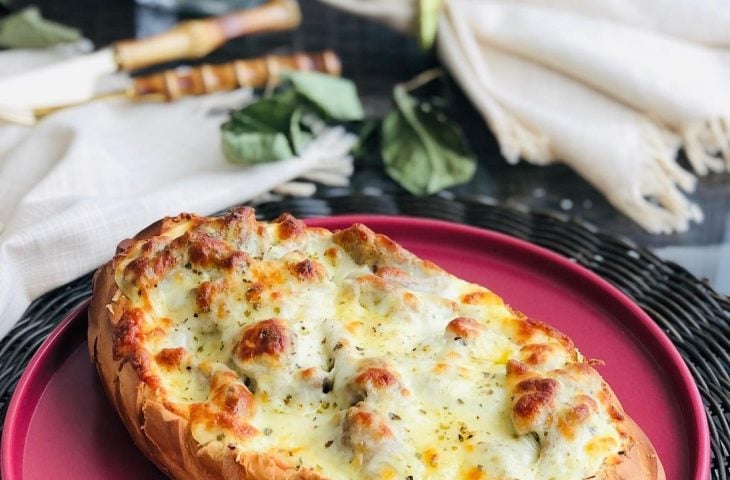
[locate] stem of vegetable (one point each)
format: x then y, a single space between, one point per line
422 79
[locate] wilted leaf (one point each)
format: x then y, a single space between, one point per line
422 150
28 29
258 132
278 127
336 97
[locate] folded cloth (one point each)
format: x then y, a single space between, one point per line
85 178
612 89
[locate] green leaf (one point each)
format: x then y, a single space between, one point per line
334 96
428 15
258 132
269 114
28 29
368 141
250 148
422 150
298 131
280 126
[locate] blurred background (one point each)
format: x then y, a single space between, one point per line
377 58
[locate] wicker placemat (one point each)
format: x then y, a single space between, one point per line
695 317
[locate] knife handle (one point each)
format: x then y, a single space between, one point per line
197 38
259 72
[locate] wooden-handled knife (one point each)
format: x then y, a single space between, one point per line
170 85
74 80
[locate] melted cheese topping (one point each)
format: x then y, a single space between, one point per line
348 355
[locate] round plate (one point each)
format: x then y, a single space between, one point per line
59 424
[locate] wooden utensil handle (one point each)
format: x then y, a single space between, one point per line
173 84
197 38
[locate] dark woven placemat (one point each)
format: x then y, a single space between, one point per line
694 316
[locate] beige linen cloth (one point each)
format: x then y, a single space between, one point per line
83 179
610 88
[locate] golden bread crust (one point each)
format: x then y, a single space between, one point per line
162 435
165 436
640 458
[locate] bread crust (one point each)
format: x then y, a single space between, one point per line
161 434
164 436
640 458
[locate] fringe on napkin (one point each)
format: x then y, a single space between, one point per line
707 144
334 166
658 204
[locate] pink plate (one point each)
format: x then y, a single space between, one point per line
60 426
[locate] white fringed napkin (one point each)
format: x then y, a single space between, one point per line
83 179
612 89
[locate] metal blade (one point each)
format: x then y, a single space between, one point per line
68 81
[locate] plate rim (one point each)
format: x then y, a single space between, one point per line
699 426
36 363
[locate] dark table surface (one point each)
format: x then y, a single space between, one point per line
376 59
